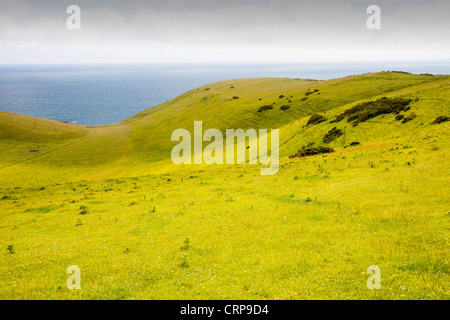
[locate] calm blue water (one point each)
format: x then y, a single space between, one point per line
105 94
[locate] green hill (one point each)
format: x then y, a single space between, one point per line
109 199
23 137
145 137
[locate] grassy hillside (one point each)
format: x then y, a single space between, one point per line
145 138
215 106
429 101
109 200
23 137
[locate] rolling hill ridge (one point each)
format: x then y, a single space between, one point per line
270 103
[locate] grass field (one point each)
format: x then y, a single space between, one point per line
109 200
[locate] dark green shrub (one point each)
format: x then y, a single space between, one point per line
311 151
315 119
337 119
370 109
441 119
84 210
285 107
333 134
266 107
409 118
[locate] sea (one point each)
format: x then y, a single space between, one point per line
100 94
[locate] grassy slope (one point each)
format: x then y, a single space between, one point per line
309 232
433 101
19 134
145 138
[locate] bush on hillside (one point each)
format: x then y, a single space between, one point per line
441 119
409 118
315 119
333 134
311 151
370 109
266 107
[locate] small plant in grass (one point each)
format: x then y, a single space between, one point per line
185 245
79 223
285 107
322 169
84 210
184 264
235 97
10 248
229 199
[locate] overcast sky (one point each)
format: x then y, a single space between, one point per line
34 31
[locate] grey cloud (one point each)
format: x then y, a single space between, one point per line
140 30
